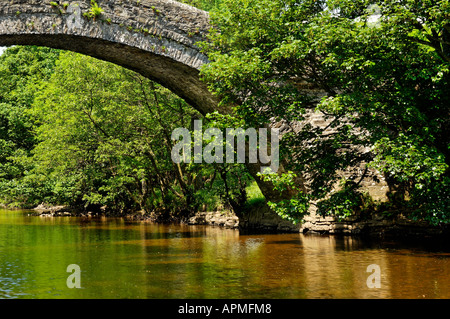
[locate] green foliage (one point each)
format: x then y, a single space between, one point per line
346 202
105 136
95 11
254 195
206 5
383 68
407 160
90 134
21 70
294 208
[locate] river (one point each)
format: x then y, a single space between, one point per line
123 259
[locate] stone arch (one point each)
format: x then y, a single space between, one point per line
156 38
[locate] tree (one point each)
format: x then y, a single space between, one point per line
377 71
92 134
104 140
104 135
21 70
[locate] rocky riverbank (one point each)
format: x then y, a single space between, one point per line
55 211
50 211
261 219
222 219
216 218
377 225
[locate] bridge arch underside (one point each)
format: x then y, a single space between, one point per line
179 78
154 38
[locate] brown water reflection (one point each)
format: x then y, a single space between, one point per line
141 260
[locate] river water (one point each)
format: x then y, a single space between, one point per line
122 259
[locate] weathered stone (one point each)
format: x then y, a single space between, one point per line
215 219
159 43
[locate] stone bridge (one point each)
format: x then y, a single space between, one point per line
156 38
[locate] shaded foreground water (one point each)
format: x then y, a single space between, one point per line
120 259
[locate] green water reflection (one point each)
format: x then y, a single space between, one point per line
120 259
